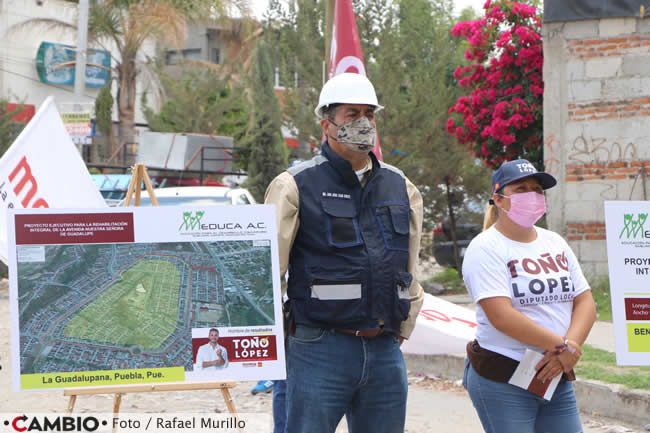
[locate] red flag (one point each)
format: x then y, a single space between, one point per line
345 51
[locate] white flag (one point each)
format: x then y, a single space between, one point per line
43 168
441 328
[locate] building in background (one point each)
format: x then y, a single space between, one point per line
223 42
39 61
224 45
596 116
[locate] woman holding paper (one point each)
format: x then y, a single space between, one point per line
535 310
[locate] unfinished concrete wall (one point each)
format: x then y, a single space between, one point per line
596 126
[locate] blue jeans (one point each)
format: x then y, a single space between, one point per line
331 374
279 406
505 408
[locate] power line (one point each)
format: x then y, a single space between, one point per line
39 82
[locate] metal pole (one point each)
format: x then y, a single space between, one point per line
3 28
202 158
329 23
82 45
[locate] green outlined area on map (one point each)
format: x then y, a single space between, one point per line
107 307
139 309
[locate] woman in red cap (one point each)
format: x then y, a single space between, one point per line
531 295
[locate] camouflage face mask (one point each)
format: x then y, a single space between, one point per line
358 136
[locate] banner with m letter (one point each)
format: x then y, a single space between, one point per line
43 169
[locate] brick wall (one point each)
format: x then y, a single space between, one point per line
620 170
596 125
589 231
626 108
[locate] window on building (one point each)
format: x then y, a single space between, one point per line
192 54
172 57
215 55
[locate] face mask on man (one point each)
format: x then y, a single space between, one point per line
359 135
526 208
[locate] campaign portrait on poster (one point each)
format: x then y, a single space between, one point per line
144 295
628 257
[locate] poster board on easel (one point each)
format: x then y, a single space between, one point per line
139 177
235 247
628 257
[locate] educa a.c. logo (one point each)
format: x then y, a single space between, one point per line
634 228
191 220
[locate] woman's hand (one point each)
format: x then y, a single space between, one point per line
550 369
566 360
571 355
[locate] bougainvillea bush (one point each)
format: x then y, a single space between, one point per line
500 116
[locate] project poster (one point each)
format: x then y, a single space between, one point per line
628 252
144 295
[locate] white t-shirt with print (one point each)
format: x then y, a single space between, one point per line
541 278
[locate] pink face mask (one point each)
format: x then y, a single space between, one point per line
526 208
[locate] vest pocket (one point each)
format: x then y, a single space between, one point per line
337 302
394 221
403 282
341 224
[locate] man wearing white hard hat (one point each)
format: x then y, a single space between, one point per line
349 235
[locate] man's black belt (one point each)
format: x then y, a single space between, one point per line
366 333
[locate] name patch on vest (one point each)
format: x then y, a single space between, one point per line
337 195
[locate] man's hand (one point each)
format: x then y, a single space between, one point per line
401 340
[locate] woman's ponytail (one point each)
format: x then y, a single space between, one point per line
491 215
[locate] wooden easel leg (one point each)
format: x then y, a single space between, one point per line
229 401
71 403
116 408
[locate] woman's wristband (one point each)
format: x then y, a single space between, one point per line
566 346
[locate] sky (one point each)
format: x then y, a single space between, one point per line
260 5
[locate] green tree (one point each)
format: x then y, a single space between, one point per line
128 25
9 129
267 154
415 58
295 39
199 100
104 119
448 177
410 57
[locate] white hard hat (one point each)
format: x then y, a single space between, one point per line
347 88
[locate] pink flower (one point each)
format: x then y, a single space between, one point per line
500 112
507 139
450 126
503 39
523 10
495 13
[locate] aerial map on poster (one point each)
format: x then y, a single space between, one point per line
144 295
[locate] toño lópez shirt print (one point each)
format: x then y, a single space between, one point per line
541 278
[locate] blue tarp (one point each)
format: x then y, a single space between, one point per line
112 182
